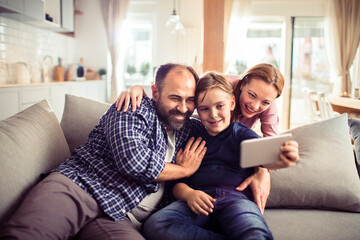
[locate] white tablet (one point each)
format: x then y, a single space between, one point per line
261 151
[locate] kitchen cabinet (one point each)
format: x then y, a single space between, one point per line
53 11
67 15
9 102
23 10
60 13
15 98
12 6
34 9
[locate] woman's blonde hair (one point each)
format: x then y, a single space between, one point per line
212 80
264 71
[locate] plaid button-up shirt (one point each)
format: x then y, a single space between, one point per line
123 156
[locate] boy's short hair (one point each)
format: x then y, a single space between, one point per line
212 80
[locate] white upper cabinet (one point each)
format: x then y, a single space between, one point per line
67 15
53 11
34 9
11 6
56 15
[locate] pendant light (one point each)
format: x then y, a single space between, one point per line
174 22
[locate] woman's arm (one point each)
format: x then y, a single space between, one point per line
269 120
135 94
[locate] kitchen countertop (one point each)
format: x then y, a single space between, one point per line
4 85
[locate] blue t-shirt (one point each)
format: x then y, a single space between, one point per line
220 166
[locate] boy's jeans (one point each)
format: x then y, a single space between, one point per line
234 217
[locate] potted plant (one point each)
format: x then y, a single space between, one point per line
145 69
130 69
102 73
240 66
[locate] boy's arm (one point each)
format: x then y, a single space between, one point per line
181 191
289 156
198 201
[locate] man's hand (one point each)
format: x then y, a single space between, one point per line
187 161
190 158
260 186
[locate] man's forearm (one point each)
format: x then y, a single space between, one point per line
172 172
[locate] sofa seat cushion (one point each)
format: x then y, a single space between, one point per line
79 118
32 143
312 224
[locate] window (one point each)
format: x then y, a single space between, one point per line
262 44
138 51
310 66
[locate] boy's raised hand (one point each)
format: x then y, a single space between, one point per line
289 156
290 153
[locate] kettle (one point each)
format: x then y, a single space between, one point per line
22 73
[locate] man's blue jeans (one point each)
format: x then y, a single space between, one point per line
234 217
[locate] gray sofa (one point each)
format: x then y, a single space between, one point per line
318 198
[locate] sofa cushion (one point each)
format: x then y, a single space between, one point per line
312 224
79 118
354 125
32 143
325 176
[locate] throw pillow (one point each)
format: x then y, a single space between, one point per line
325 176
32 143
354 125
79 118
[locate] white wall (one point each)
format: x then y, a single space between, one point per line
91 41
90 36
191 15
293 8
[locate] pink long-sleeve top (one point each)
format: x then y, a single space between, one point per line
269 120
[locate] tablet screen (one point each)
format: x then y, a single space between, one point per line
261 151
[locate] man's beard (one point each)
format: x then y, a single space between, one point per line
166 117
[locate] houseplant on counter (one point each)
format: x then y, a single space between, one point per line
102 72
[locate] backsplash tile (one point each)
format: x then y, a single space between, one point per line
20 42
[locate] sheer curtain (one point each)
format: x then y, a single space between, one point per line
343 36
237 29
228 6
114 13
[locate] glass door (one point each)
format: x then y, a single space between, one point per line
310 71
